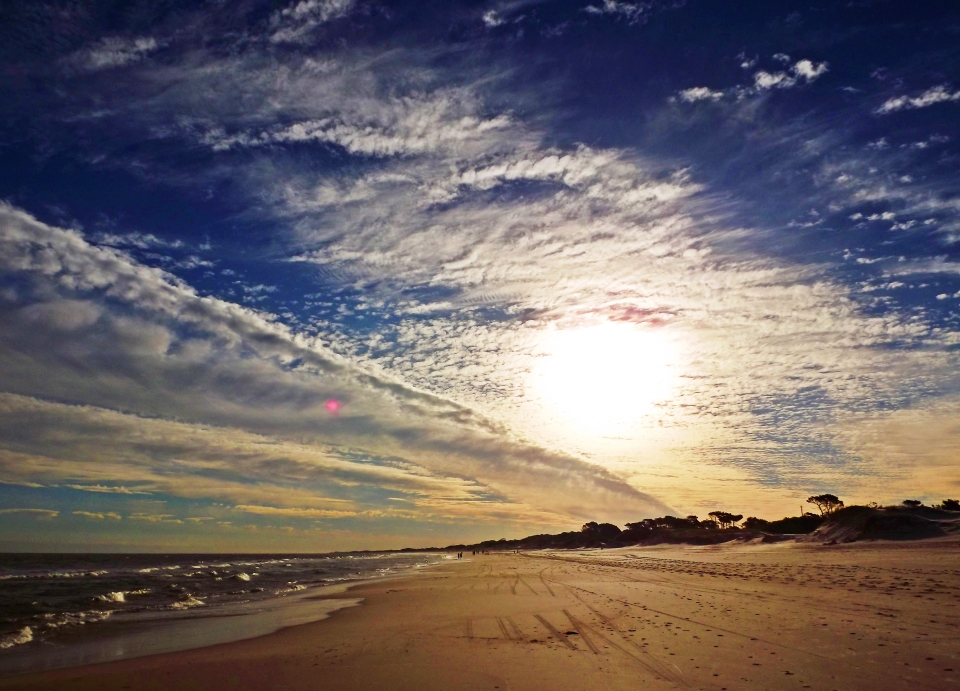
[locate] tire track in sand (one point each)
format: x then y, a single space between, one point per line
642 657
545 584
556 634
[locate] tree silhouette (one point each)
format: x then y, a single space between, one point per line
912 503
608 531
950 505
827 503
754 523
726 520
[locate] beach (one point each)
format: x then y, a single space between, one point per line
760 616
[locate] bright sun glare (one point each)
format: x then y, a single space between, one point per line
604 379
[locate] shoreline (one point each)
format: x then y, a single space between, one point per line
134 638
704 617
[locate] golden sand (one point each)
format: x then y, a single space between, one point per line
785 616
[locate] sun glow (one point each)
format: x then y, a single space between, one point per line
604 379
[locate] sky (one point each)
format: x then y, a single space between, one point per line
358 274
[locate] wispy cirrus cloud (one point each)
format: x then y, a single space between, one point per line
632 12
292 512
930 97
403 127
39 513
106 489
296 23
114 52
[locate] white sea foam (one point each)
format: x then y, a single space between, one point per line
242 577
187 604
291 589
118 596
24 635
53 574
55 621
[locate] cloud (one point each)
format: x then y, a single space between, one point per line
62 315
114 52
809 70
699 93
492 19
934 265
932 96
802 72
39 513
467 234
155 518
293 512
295 24
516 226
98 515
105 489
32 485
410 126
141 241
634 13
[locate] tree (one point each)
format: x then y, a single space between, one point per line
673 522
950 505
608 531
912 503
726 520
827 503
646 525
754 523
591 527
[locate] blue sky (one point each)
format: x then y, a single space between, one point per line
332 274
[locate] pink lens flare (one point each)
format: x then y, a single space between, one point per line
333 405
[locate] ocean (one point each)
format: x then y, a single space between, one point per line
60 610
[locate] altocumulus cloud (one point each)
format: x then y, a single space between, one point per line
265 393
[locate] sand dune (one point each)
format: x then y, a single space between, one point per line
783 616
889 523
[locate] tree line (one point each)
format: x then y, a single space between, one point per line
719 526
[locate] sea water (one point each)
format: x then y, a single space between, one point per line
65 610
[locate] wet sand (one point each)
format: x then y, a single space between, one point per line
783 616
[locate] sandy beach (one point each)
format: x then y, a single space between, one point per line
781 616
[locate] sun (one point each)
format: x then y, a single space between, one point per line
606 378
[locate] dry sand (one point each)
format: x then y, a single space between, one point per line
785 616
